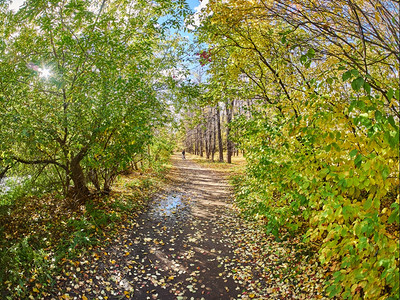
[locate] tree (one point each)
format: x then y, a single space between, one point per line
321 139
80 90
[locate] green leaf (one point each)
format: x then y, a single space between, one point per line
358 160
385 172
311 53
357 83
367 88
303 59
394 216
336 146
378 115
368 203
390 94
392 122
353 153
346 75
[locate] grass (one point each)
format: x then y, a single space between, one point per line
235 168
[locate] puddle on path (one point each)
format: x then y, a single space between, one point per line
172 206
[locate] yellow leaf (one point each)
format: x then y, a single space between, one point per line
35 290
377 17
84 297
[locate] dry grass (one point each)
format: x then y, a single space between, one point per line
236 167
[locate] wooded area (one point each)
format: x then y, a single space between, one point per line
81 89
307 90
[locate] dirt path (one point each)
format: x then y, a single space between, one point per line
190 244
181 239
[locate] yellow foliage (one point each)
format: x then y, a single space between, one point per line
327 129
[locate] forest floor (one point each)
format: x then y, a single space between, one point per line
191 243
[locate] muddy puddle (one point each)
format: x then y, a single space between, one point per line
172 206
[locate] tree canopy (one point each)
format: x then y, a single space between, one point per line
316 87
80 85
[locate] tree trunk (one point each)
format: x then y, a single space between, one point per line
201 141
220 146
229 144
192 143
109 177
93 176
207 143
213 148
80 191
214 135
196 142
209 133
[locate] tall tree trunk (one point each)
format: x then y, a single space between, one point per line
209 133
192 143
201 141
196 141
207 142
220 145
214 124
229 144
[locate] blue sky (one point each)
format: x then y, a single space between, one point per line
193 3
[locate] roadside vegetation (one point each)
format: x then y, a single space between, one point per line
309 92
42 233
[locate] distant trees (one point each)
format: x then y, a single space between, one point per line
208 115
210 132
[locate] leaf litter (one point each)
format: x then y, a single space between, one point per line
191 243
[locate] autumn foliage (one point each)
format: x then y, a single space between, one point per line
204 57
321 132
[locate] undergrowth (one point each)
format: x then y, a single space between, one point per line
40 234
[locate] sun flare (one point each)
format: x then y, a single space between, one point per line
44 73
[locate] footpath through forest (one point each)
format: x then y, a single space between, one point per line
190 243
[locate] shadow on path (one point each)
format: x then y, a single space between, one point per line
180 243
190 244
